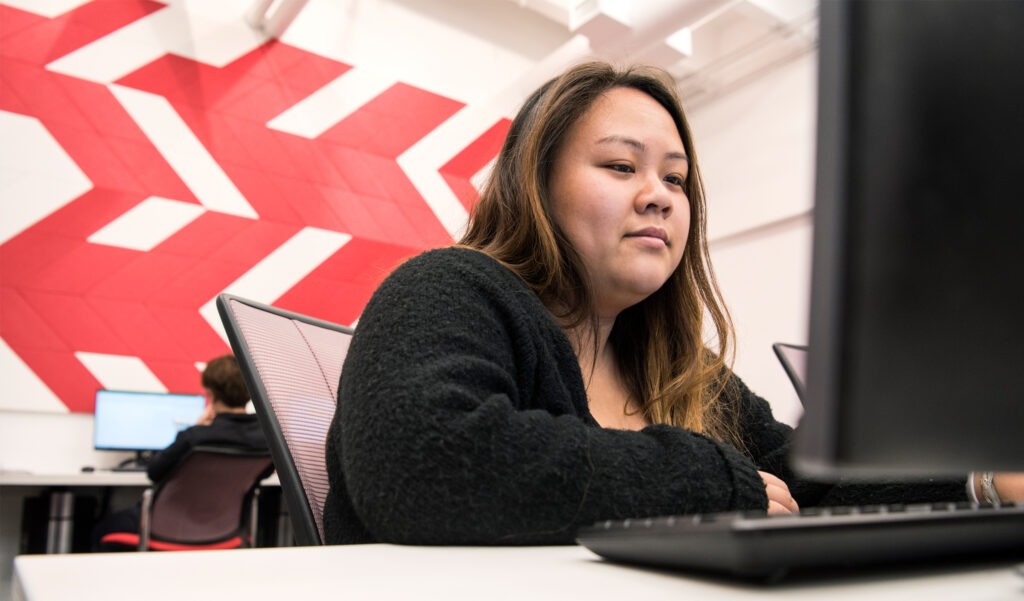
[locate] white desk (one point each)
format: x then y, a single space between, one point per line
384 572
96 478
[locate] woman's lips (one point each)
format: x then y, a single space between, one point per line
650 232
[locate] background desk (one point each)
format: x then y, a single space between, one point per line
59 527
449 573
16 486
96 478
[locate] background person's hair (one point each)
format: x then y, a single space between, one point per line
223 378
659 343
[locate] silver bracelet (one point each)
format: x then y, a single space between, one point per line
988 489
972 493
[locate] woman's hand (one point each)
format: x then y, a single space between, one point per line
779 499
1010 486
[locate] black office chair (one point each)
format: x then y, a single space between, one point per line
209 501
292 365
793 358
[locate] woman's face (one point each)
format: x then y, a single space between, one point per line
617 193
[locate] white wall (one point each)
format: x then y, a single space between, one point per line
51 443
756 149
766 282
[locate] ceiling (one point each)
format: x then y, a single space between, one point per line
710 46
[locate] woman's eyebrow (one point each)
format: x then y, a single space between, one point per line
640 146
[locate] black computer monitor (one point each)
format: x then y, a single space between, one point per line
916 336
142 421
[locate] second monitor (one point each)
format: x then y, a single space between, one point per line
142 422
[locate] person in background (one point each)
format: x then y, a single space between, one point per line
225 422
568 361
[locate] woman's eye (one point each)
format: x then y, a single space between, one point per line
675 180
620 168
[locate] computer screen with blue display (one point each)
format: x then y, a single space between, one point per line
142 421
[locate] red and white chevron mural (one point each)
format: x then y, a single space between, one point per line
150 161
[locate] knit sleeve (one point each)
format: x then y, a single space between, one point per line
442 436
770 444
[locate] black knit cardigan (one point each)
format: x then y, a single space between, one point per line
462 419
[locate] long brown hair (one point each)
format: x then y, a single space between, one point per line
659 343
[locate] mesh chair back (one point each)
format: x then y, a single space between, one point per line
292 365
206 498
793 358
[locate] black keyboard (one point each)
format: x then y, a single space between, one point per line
754 544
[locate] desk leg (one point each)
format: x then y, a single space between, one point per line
59 526
285 534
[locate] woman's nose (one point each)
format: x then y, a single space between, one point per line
654 196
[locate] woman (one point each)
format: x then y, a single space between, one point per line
551 370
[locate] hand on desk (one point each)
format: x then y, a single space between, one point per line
779 498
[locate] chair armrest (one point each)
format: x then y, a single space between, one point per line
254 511
144 518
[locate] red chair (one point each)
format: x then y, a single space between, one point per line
209 501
